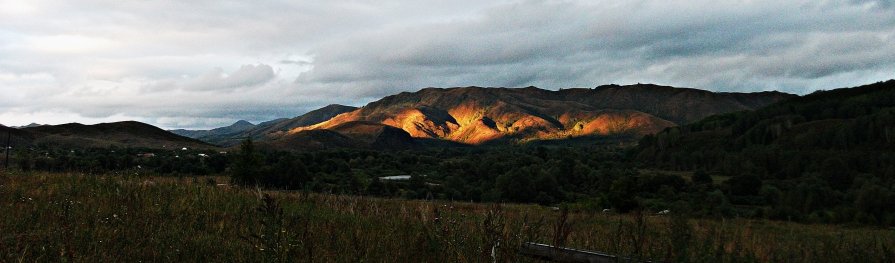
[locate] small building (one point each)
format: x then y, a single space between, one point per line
403 177
395 178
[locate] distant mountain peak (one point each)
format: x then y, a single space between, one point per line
334 105
233 134
32 125
242 123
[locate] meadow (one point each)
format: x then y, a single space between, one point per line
70 217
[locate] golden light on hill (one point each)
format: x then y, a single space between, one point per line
474 115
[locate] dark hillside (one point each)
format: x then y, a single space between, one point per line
122 134
17 137
826 151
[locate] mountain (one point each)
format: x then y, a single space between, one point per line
476 115
121 134
310 118
29 126
190 133
846 131
356 135
238 137
237 127
16 137
239 131
376 135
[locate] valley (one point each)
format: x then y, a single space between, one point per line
637 176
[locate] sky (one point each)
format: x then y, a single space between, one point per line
209 63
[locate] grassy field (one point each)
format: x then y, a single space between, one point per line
121 218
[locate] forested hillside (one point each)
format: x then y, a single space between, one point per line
828 154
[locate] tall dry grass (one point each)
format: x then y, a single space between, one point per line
115 218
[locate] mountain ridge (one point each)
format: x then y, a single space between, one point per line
459 115
238 126
853 123
475 115
231 135
122 134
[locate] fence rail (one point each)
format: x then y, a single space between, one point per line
561 254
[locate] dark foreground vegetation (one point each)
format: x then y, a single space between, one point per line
593 178
126 218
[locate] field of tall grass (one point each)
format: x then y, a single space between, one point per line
125 218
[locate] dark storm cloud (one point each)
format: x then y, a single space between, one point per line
208 63
728 46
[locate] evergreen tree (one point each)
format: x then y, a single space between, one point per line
247 166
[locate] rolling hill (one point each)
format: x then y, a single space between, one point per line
848 131
234 128
121 134
16 136
442 116
357 135
239 131
476 115
313 117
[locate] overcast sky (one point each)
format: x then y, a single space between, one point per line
200 64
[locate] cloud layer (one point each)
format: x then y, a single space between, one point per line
208 63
